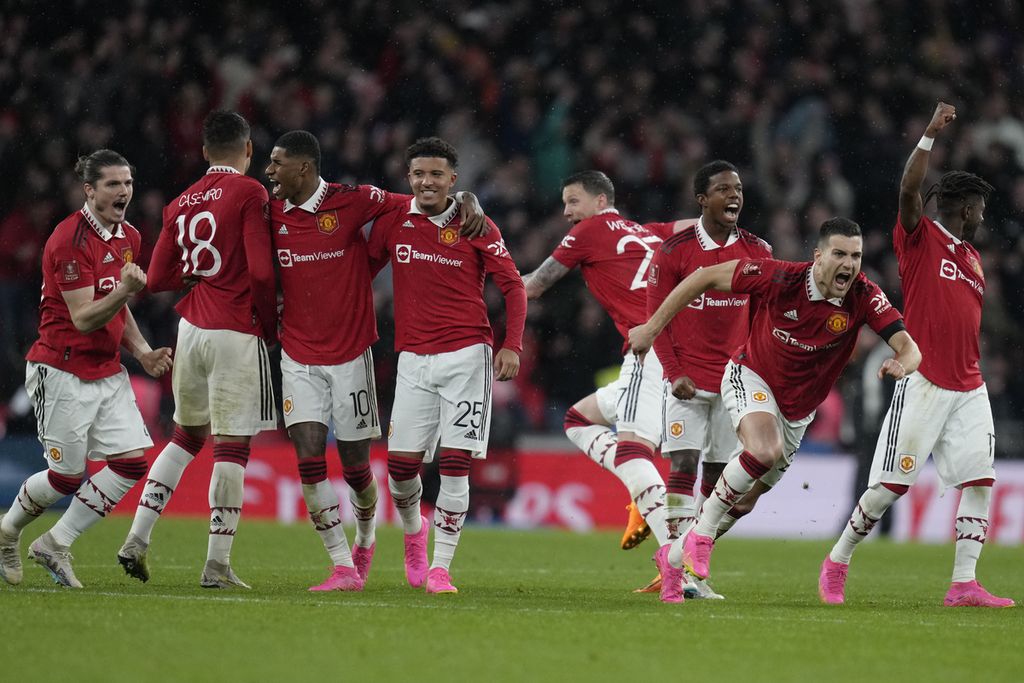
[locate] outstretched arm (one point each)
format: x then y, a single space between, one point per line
538 282
696 283
907 357
911 204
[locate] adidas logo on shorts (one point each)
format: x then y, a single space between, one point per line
361 425
471 434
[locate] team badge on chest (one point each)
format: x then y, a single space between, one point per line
837 323
447 235
327 222
127 255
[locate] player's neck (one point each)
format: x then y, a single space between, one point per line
239 164
719 233
309 188
435 210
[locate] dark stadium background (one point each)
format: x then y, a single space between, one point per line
818 103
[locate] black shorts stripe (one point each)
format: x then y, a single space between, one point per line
893 435
633 392
736 380
485 414
40 407
266 391
371 386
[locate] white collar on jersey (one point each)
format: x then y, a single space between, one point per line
814 294
223 169
947 233
705 240
313 203
440 220
105 234
610 209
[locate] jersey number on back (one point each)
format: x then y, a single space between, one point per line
640 279
192 252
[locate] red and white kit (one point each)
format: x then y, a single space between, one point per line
83 400
942 409
614 254
216 234
699 340
328 323
798 345
441 326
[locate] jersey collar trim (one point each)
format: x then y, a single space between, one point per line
706 241
610 209
947 233
813 293
440 220
223 169
312 204
105 234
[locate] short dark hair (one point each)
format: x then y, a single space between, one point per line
594 182
838 226
432 147
955 187
90 167
704 173
301 143
225 132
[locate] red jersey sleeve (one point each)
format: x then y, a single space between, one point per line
754 276
498 262
572 251
662 277
165 271
880 312
258 255
72 267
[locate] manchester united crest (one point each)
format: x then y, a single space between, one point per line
907 463
327 222
447 235
127 255
838 322
676 429
759 397
288 405
55 454
976 266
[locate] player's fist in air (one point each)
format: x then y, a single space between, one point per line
133 278
944 114
506 365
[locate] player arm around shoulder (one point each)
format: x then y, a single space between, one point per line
911 204
719 277
471 216
907 357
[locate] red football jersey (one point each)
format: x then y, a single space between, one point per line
217 232
82 253
700 339
438 278
328 316
943 287
799 341
613 254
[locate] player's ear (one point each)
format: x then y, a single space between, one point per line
702 200
455 176
206 154
248 149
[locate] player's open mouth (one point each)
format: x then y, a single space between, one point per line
120 205
732 211
275 188
841 280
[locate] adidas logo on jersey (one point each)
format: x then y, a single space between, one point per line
951 247
283 230
109 258
471 434
408 224
791 314
361 425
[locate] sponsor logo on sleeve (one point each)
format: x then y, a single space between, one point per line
838 322
567 242
908 462
448 235
376 194
676 429
751 269
69 271
327 222
652 275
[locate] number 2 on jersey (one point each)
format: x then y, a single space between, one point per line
192 252
640 279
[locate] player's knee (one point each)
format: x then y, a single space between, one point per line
898 489
312 470
65 483
454 463
574 419
307 443
685 461
354 453
766 452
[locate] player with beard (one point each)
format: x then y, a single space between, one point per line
942 410
801 337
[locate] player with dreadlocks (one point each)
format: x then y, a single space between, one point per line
943 409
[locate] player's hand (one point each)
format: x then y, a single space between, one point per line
157 362
640 339
506 365
684 388
944 115
474 223
893 368
133 278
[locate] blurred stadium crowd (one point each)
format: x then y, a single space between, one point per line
818 102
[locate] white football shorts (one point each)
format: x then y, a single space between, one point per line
745 392
78 419
641 397
701 423
444 396
222 377
955 427
346 393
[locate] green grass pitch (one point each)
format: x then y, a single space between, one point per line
538 605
